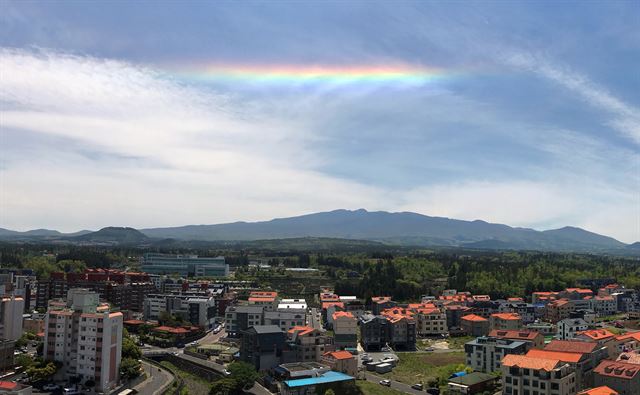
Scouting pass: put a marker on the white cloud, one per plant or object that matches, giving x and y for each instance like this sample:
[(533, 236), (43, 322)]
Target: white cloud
[(202, 157), (626, 118)]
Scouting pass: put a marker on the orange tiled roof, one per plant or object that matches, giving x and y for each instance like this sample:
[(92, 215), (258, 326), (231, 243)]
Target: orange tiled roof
[(520, 335), (507, 316), (555, 355), (339, 354), (473, 317), (526, 362), (302, 330), (263, 294), (8, 385), (604, 390), (597, 334), (617, 369), (573, 346), (380, 299), (339, 314), (628, 336), (326, 305), (262, 299)]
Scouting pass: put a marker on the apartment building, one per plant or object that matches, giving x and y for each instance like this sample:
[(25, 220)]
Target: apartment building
[(430, 320), (126, 290), (11, 310), (7, 348), (262, 346), (241, 318), (526, 311), (559, 310), (620, 376), (345, 329), (374, 331), (268, 299), (197, 308), (579, 362), (85, 337), (454, 313), (527, 375), (380, 303), (605, 305), (569, 328), (402, 328), (475, 325), (485, 353), (305, 344), (505, 321), (286, 318)]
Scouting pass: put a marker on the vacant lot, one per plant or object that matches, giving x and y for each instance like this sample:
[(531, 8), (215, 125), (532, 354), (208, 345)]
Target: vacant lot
[(417, 367)]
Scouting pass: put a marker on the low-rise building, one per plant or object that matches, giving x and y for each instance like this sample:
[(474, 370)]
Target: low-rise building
[(345, 329), (620, 376), (241, 318), (380, 303), (505, 321), (305, 344), (532, 338), (580, 363), (485, 353), (472, 383), (197, 308), (341, 361), (430, 320), (569, 328), (337, 381), (522, 374), (262, 346), (558, 310), (267, 299), (475, 325)]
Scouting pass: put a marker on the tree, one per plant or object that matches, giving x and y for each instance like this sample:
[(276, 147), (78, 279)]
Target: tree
[(129, 368), (24, 360), (226, 386), (39, 371), (243, 373), (130, 349), (329, 392)]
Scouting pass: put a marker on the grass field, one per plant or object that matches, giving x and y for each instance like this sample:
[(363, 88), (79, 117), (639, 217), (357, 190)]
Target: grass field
[(195, 385), (369, 388), (421, 367)]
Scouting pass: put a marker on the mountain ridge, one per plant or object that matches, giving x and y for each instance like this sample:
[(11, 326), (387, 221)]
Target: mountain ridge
[(391, 228)]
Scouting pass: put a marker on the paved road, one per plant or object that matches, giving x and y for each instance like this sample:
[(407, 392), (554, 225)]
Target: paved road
[(157, 380), (211, 337), (394, 384)]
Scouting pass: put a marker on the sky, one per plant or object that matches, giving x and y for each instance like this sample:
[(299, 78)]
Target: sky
[(149, 114)]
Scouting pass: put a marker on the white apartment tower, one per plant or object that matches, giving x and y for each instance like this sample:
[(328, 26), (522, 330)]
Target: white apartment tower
[(85, 337), (11, 309)]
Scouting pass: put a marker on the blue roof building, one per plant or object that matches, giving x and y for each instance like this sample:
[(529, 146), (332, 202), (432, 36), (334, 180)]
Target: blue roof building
[(308, 385)]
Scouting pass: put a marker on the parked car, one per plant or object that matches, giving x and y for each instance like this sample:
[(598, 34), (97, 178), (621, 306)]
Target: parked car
[(385, 382), (226, 373), (433, 391), (430, 349), (50, 387), (418, 387)]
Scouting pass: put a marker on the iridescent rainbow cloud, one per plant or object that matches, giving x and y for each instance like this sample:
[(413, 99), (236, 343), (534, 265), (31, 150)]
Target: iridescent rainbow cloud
[(314, 74)]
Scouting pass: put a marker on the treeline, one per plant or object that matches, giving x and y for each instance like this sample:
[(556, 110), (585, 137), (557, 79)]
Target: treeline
[(498, 274)]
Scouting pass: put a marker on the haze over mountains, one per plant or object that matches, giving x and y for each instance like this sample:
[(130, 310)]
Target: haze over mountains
[(403, 228)]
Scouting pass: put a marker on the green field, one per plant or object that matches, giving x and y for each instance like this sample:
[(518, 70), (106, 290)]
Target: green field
[(195, 385), (416, 367), (369, 388)]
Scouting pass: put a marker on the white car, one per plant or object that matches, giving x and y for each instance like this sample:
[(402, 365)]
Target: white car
[(226, 373), (385, 382)]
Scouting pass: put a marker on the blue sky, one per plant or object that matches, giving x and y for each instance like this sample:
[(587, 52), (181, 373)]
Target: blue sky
[(535, 121)]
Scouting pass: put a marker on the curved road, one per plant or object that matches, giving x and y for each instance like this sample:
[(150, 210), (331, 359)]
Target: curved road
[(157, 380)]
